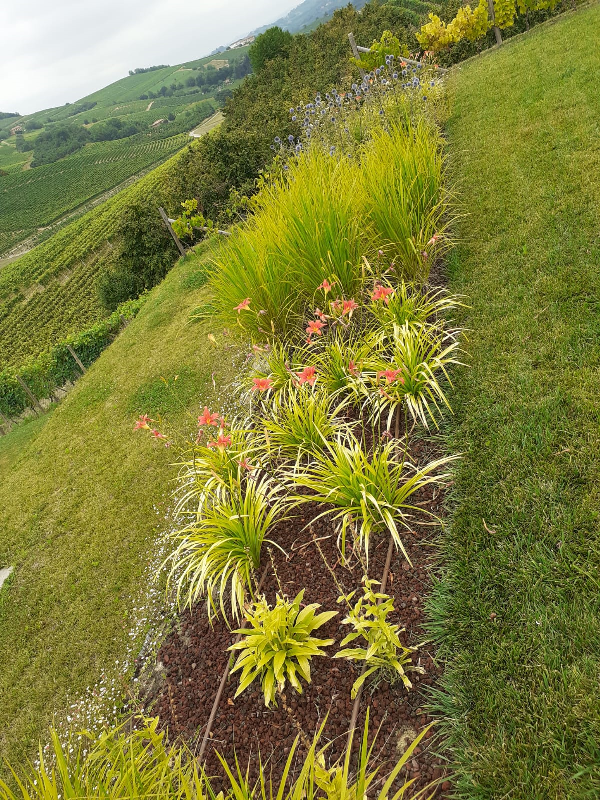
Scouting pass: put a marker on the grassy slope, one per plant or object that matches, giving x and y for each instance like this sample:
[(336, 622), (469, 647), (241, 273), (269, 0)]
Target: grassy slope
[(78, 492), (523, 686)]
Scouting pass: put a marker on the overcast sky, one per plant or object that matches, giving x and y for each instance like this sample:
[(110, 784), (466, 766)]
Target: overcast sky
[(57, 51)]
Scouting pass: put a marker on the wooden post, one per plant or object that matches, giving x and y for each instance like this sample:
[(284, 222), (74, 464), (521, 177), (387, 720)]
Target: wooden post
[(355, 52), (37, 407), (176, 238), (5, 422), (76, 357), (497, 33)]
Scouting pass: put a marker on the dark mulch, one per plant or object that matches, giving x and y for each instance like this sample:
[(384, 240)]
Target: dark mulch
[(194, 656)]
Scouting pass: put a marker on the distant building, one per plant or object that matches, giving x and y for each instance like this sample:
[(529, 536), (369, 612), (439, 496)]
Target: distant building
[(157, 123), (16, 129), (242, 42)]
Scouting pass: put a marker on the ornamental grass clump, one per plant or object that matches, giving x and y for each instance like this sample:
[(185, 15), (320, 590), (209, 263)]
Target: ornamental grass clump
[(277, 645), (402, 189), (306, 227), (383, 652), (300, 425), (117, 764), (219, 553), (367, 492)]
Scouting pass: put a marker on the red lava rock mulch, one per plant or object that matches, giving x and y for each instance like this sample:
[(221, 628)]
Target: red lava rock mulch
[(194, 656)]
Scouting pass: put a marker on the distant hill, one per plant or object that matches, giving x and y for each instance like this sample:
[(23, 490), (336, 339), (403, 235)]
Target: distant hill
[(307, 13)]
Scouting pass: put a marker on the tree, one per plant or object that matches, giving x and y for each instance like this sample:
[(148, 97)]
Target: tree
[(273, 43)]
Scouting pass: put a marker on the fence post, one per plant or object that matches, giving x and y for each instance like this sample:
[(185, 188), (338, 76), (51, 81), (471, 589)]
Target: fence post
[(6, 422), (36, 406), (355, 52), (497, 33), (176, 238), (76, 357)]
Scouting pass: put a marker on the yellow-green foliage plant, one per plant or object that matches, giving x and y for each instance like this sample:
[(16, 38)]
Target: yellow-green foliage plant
[(383, 653), (124, 764), (220, 552), (116, 765), (306, 227), (367, 492), (379, 52), (403, 195), (277, 644)]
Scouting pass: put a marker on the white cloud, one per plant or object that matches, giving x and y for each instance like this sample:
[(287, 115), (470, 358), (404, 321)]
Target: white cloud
[(57, 52)]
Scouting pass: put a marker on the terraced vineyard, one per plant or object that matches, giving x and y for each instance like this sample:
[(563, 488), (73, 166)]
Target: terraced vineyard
[(50, 292)]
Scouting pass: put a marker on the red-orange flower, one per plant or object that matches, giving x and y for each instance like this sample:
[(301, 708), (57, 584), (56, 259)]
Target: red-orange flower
[(207, 418), (243, 306), (434, 239), (261, 384), (349, 306), (382, 293), (315, 326), (308, 375), (352, 368), (142, 422), (222, 442), (245, 465), (326, 286), (158, 434), (390, 375)]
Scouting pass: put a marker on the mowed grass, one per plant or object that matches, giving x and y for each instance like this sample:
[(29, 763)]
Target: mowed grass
[(82, 497), (518, 609)]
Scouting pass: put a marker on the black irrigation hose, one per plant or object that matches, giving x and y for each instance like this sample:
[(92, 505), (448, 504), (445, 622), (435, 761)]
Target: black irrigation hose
[(215, 706), (356, 705)]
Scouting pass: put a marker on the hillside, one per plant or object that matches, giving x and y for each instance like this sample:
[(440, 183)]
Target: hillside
[(52, 291), (123, 139), (517, 612)]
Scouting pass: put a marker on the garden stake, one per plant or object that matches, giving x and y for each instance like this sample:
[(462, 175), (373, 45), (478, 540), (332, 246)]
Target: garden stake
[(384, 578), (213, 711)]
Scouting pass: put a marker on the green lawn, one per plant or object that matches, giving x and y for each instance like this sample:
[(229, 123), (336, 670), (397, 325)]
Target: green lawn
[(518, 611), (82, 498)]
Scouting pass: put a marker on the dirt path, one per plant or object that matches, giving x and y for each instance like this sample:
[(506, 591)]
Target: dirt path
[(208, 125), (150, 104)]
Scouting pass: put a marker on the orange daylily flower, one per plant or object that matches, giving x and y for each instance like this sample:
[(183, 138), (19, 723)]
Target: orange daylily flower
[(308, 375), (158, 434), (390, 375), (382, 293), (142, 423), (261, 384), (222, 442), (315, 326), (243, 306), (207, 418), (326, 286)]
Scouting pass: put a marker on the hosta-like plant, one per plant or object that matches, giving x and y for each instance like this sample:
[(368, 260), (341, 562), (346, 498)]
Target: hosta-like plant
[(277, 645), (383, 652), (219, 553), (367, 492)]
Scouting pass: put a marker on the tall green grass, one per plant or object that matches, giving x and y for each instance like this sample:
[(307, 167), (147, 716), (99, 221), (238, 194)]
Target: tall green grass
[(323, 216), (402, 182), (306, 227)]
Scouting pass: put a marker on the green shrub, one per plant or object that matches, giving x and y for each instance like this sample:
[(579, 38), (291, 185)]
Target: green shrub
[(278, 645)]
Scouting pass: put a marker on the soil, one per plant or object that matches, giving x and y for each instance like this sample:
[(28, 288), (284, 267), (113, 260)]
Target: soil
[(194, 656)]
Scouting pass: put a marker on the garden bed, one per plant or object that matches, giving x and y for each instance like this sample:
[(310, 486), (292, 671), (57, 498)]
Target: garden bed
[(195, 655)]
